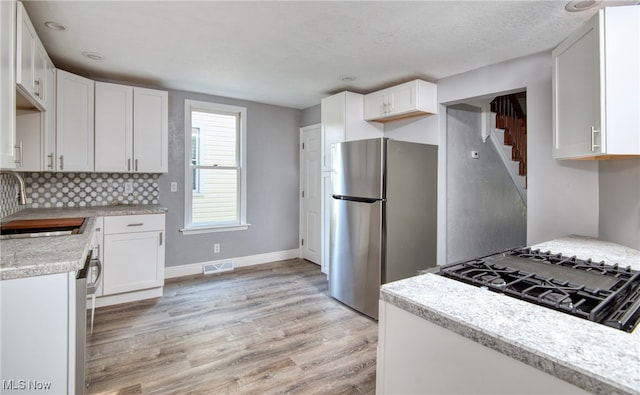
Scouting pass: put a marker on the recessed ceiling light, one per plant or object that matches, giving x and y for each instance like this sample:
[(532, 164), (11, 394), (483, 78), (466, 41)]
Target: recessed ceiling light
[(55, 26), (347, 78), (92, 55), (581, 5)]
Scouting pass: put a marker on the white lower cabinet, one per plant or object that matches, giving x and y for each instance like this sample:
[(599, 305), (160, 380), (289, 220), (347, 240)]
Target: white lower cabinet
[(38, 334), (133, 258), (416, 356)]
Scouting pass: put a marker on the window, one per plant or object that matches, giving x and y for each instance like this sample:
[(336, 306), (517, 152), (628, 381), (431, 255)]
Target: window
[(214, 167), (195, 159)]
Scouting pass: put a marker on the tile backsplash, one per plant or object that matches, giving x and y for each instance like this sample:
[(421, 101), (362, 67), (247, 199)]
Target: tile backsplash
[(8, 195), (79, 190)]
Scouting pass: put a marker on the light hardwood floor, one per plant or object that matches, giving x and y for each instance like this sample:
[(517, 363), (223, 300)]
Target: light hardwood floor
[(266, 329)]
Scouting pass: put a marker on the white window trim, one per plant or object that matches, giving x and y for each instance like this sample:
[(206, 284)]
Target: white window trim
[(189, 228)]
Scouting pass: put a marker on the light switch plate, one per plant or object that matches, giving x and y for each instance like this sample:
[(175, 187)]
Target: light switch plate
[(174, 187)]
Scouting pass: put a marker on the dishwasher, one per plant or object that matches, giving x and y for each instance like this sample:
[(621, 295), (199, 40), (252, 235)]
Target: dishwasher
[(81, 323), (86, 283)]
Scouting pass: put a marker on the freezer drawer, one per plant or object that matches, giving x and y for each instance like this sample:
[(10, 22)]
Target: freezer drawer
[(356, 252)]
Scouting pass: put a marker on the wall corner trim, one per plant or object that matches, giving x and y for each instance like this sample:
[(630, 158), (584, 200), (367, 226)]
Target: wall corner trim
[(196, 268)]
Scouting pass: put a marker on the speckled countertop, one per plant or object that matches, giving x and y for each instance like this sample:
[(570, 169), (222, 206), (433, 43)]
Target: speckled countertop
[(597, 358), (37, 256)]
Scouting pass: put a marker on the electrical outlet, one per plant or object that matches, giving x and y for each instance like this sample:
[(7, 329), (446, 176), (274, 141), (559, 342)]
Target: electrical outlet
[(128, 187), (216, 248), (174, 187)]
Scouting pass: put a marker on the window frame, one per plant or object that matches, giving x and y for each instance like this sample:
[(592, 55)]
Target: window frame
[(241, 220), (197, 184)]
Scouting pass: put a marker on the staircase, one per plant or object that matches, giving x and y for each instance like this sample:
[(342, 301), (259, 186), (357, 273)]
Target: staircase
[(508, 131)]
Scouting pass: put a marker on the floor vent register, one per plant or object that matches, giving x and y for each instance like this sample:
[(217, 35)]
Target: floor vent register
[(211, 268)]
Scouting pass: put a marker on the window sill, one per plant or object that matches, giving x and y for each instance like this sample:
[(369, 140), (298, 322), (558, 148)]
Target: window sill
[(214, 229)]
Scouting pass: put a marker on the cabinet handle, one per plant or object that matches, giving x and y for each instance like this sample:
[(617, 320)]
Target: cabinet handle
[(50, 165), (593, 139), (129, 164), (18, 148), (160, 238), (61, 162), (36, 84), (136, 162), (136, 224)]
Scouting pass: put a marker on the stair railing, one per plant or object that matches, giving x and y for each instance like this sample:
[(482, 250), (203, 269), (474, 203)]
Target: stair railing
[(511, 118)]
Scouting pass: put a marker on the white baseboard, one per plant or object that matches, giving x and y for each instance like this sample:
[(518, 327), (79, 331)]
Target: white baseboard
[(196, 268), (126, 297)]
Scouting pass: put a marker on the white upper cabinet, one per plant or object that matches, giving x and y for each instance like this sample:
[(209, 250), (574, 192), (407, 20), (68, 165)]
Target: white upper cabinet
[(406, 100), (150, 130), (31, 61), (49, 122), (596, 88), (74, 122), (131, 127), (7, 85), (35, 132), (113, 127), (342, 120)]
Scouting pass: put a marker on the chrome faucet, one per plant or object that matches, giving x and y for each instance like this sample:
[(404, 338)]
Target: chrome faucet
[(22, 195)]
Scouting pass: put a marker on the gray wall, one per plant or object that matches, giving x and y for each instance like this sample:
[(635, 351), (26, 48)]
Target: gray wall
[(272, 185), (620, 201), (484, 210), (311, 115), (562, 195)]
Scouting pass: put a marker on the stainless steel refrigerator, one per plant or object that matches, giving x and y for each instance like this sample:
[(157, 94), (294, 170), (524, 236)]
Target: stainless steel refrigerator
[(383, 217)]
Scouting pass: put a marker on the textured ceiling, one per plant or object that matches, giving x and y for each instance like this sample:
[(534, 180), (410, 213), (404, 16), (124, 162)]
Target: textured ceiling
[(294, 53)]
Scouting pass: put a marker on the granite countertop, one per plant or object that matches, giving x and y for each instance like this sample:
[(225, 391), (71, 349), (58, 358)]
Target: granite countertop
[(38, 256), (592, 356)]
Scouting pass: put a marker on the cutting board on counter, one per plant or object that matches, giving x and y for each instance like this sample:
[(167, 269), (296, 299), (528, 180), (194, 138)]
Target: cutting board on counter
[(47, 223)]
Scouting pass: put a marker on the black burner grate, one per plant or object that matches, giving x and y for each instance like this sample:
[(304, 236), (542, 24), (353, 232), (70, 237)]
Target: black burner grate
[(608, 294)]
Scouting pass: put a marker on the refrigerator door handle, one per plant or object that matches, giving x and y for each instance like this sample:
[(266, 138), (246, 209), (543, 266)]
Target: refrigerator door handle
[(357, 199)]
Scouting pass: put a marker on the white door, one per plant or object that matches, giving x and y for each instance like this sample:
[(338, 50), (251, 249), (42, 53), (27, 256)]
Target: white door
[(310, 192)]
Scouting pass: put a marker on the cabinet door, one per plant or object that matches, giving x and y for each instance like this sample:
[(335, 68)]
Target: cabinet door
[(333, 125), (402, 98), (38, 318), (150, 130), (577, 94), (7, 84), (40, 61), (375, 105), (132, 262), (113, 127), (325, 237), (49, 125), (25, 44), (74, 122), (29, 134)]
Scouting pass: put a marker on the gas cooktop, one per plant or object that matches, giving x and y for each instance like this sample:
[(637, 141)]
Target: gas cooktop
[(607, 294)]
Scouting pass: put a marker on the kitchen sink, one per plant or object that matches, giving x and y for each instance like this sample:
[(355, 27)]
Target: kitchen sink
[(26, 228)]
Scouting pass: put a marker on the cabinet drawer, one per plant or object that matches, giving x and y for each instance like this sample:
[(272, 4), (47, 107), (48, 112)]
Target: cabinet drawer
[(133, 223)]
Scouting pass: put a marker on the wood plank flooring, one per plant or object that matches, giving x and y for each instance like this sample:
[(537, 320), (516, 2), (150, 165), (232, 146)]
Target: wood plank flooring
[(266, 329)]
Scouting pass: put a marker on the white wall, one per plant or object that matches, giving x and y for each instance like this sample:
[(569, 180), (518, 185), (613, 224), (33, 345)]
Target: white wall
[(562, 195)]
